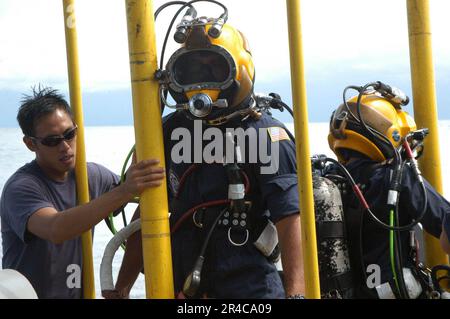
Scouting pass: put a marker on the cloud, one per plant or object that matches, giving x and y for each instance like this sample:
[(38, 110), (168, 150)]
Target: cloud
[(337, 35)]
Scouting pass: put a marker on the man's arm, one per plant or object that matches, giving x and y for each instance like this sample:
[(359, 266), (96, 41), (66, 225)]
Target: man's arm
[(289, 236), (57, 227)]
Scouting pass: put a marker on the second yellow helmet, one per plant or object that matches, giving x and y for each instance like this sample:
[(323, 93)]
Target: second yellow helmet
[(381, 116)]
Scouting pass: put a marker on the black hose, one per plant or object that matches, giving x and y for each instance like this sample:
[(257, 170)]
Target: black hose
[(183, 6), (398, 255), (213, 226), (192, 282), (371, 214), (358, 108), (344, 96), (398, 250), (124, 218), (162, 7), (166, 38), (286, 107), (371, 131)]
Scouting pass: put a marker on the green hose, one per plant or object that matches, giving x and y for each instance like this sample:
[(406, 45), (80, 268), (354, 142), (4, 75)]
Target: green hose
[(124, 167), (122, 179), (392, 248)]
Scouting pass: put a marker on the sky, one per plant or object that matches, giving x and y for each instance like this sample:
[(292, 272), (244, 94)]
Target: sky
[(347, 42)]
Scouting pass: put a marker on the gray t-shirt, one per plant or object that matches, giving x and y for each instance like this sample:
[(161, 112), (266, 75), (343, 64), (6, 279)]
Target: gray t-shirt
[(49, 267)]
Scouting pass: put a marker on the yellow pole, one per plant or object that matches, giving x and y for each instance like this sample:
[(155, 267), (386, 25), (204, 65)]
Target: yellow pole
[(425, 110), (149, 144), (80, 167), (298, 83)]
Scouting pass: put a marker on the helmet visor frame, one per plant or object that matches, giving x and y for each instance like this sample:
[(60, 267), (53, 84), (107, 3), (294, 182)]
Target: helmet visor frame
[(206, 68)]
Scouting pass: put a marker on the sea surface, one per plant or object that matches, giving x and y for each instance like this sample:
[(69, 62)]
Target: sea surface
[(109, 146)]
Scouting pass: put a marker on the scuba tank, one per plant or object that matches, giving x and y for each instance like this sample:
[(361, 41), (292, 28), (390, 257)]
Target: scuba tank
[(332, 247)]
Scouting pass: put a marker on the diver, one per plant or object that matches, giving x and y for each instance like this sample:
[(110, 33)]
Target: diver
[(230, 219), (377, 143)]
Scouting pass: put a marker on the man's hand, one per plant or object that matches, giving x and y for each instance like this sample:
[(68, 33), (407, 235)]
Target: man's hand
[(114, 294), (141, 176)]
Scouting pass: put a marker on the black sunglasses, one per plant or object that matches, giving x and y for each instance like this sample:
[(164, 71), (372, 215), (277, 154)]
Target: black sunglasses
[(56, 140)]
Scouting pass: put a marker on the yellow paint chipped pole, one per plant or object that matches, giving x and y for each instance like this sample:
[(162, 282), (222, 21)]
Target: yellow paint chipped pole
[(149, 144), (425, 109), (309, 244), (80, 167)]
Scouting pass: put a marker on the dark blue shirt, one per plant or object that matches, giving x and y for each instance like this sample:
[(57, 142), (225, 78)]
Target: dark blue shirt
[(46, 265), (231, 271), (276, 180), (376, 180), (446, 225)]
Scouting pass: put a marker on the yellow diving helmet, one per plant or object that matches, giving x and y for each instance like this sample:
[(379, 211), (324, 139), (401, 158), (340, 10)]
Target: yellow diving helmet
[(212, 73), (381, 115)]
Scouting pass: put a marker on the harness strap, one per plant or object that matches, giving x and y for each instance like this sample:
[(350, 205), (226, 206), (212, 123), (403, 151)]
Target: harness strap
[(330, 229)]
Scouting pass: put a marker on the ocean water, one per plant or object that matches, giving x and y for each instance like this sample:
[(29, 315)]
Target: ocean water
[(109, 146)]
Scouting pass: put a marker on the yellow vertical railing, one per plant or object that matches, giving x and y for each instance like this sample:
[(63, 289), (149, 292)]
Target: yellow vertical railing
[(309, 244), (80, 167), (425, 109), (149, 144)]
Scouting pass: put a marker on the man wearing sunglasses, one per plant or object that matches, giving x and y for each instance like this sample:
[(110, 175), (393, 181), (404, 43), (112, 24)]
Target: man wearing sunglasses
[(41, 223)]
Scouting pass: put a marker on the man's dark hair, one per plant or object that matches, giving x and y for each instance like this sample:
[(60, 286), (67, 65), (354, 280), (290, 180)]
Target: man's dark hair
[(42, 101)]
